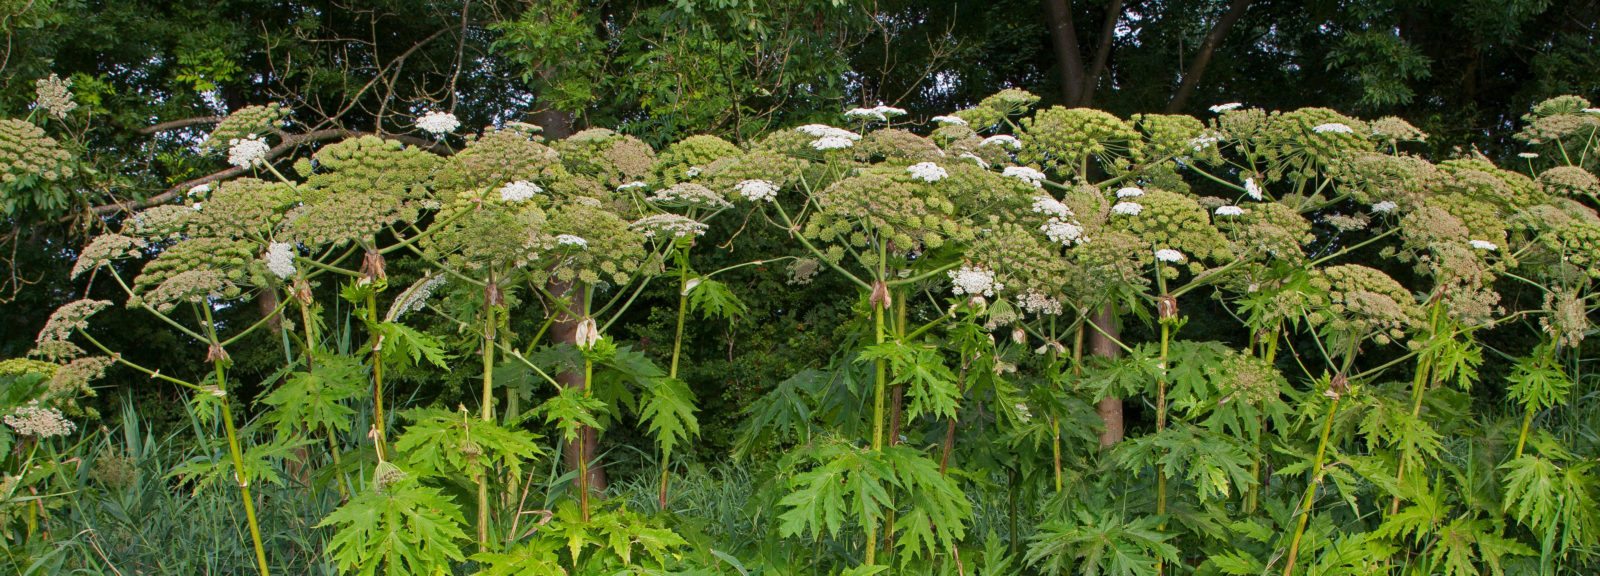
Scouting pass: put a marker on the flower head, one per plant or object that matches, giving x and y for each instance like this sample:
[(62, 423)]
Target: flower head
[(438, 123), (865, 114), (949, 120), (826, 131), (1169, 255), (671, 225), (1024, 174), (632, 185), (54, 95), (975, 158), (1253, 190), (1051, 207), (1127, 209), (199, 190), (1229, 211), (1063, 232), (1527, 155), (247, 152), (1002, 140), (973, 280), (832, 143), (1220, 108), (757, 190), (519, 191), (1130, 192), (571, 240), (1333, 127), (1484, 245), (280, 259), (41, 421), (927, 172), (1384, 207)]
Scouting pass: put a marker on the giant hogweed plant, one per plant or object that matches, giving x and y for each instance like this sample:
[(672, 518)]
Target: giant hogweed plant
[(1321, 419)]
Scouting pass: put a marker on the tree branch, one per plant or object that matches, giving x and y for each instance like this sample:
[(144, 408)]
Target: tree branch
[(179, 124), (1108, 31), (1197, 68), (1064, 39)]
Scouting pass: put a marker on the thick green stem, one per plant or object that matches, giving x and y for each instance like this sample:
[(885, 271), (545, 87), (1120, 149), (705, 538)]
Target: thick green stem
[(489, 326), (1419, 383), (672, 370), (1311, 488), (233, 447), (583, 437), (377, 375), (1522, 436)]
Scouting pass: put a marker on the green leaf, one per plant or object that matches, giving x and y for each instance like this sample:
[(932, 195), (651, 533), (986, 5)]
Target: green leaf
[(571, 410), (458, 443), (713, 299), (316, 401), (670, 411), (407, 346), (403, 528)]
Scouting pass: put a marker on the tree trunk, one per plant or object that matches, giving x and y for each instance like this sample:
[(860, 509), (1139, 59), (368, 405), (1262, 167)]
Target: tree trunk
[(1064, 40), (1102, 343), (1102, 52), (565, 330), (1197, 67)]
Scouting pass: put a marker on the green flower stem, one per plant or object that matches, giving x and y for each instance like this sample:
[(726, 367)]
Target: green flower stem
[(151, 309), (1311, 488), (233, 448), (583, 432), (309, 349), (1419, 384), (377, 375), (1253, 491), (489, 325), (677, 352), (153, 374), (789, 225)]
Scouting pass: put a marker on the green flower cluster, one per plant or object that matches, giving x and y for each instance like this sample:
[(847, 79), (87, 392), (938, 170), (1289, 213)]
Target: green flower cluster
[(245, 122), (590, 245), (242, 208), (28, 156), (611, 158), (1362, 302), (356, 188), (896, 146), (230, 260), (1168, 220), (1569, 181), (881, 204), (495, 158), (690, 155), (1062, 140)]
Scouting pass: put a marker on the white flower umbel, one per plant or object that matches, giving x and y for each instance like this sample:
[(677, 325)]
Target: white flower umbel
[(1051, 207), (927, 172), (974, 280), (1253, 190), (415, 297), (1528, 155), (888, 111), (1332, 128), (1064, 232), (438, 123), (757, 190), (1484, 245), (1220, 108), (1591, 110), (1036, 303), (1127, 208), (1130, 192), (864, 114), (570, 240), (1024, 174), (826, 131), (199, 190), (1002, 140), (247, 152), (519, 191), (1229, 211), (1169, 255), (668, 225), (1384, 207), (832, 143), (974, 157), (632, 186), (949, 120), (1202, 143), (41, 421), (280, 259)]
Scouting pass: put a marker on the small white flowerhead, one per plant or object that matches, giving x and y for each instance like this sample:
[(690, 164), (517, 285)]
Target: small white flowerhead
[(1229, 211), (1002, 140), (247, 152), (632, 185), (438, 123), (974, 157), (832, 143), (949, 120), (1591, 110), (1169, 255), (889, 111), (1220, 108), (519, 191), (864, 114), (280, 259), (1384, 207), (197, 206), (927, 172), (1024, 174), (200, 190), (1528, 155), (1063, 232), (1130, 192), (825, 131), (757, 190), (693, 171), (1253, 190), (1201, 143), (1127, 208), (570, 240), (1484, 245), (1332, 128), (1051, 207), (974, 280)]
